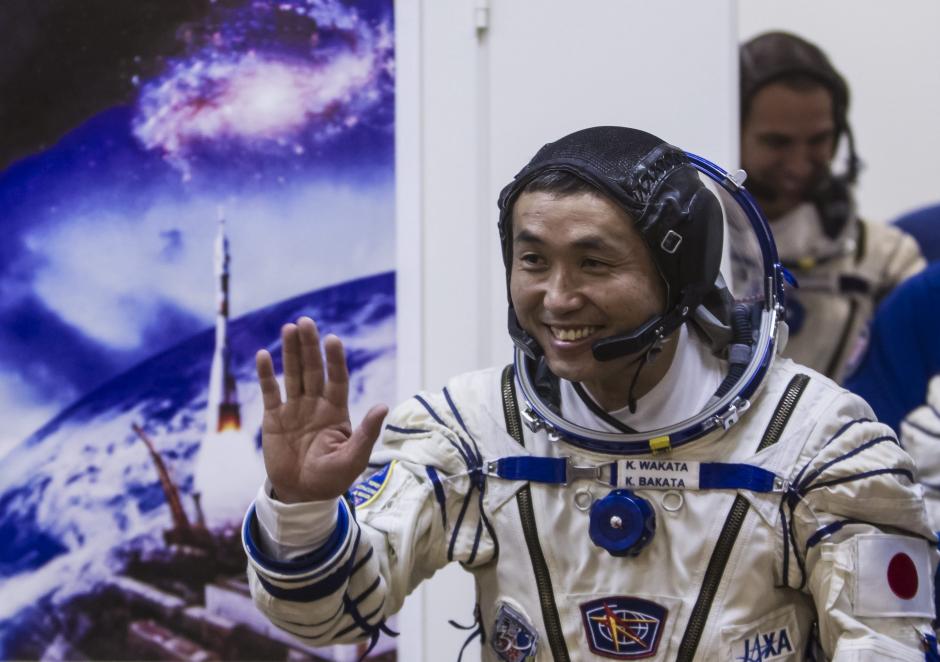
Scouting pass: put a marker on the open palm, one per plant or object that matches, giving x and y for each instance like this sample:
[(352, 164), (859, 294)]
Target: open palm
[(311, 452)]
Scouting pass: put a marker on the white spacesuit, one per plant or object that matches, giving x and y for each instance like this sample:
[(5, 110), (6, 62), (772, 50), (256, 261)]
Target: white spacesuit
[(775, 521)]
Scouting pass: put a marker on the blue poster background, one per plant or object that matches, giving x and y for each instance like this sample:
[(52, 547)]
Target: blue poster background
[(247, 180)]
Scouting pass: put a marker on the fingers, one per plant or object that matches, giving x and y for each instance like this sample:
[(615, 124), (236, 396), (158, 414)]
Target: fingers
[(337, 374), (270, 390), (303, 367), (364, 437), (290, 355), (312, 371)]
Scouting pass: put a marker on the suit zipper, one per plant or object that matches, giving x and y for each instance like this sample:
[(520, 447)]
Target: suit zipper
[(732, 527), (836, 359), (543, 579)]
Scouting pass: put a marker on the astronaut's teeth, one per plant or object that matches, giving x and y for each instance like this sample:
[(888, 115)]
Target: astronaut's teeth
[(573, 334)]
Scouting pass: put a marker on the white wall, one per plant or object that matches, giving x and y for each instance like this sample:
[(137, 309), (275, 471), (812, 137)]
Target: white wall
[(482, 85), (890, 54)]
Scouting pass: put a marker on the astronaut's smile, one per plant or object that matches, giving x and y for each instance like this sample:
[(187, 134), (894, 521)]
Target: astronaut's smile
[(572, 334)]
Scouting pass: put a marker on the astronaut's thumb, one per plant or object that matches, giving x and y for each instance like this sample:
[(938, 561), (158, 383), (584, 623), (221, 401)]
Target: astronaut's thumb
[(365, 436)]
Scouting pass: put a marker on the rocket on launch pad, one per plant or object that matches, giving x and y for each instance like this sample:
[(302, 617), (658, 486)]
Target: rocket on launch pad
[(223, 410), (229, 465)]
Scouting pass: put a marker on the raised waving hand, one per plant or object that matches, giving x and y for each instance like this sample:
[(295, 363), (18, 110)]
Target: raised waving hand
[(311, 451)]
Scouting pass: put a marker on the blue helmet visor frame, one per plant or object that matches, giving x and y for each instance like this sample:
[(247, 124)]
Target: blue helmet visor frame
[(752, 274)]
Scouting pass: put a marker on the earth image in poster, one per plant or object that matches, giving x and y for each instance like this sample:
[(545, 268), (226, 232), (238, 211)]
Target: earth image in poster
[(127, 340), (110, 553)]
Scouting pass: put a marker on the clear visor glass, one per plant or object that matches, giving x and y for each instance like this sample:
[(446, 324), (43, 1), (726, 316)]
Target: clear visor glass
[(750, 274), (742, 258)]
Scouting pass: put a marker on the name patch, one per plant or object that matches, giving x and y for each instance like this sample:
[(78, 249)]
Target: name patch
[(657, 475), (366, 491), (623, 627)]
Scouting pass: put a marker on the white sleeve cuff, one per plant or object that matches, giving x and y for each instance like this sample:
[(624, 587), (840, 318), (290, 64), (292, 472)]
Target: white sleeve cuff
[(289, 530)]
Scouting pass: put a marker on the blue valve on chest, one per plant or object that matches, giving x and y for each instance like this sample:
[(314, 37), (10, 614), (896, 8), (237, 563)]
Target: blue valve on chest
[(622, 523)]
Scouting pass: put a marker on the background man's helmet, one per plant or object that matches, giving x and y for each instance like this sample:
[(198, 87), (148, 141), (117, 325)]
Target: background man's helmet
[(678, 217)]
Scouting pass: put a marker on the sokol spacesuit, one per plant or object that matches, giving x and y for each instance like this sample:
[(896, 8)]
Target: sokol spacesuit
[(741, 508)]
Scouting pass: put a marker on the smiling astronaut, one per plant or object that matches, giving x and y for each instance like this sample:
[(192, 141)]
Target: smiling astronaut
[(647, 480)]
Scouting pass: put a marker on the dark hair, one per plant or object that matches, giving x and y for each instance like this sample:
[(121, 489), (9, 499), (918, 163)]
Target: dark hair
[(798, 82)]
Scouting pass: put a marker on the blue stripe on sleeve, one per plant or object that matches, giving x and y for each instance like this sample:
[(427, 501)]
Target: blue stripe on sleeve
[(475, 451), (430, 410), (921, 429), (360, 621), (813, 475), (476, 543), (302, 565), (438, 492), (457, 525), (317, 590), (395, 428), (329, 623), (464, 452), (326, 621), (845, 427), (469, 458), (839, 433), (365, 594), (457, 415), (827, 530), (866, 474), (361, 562)]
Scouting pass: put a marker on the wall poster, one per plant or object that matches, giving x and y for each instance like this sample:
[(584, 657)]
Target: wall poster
[(177, 180)]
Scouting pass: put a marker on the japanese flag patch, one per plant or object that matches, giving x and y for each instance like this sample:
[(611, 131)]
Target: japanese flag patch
[(893, 576)]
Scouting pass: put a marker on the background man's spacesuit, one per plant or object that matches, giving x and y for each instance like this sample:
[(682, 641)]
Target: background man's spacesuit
[(697, 500)]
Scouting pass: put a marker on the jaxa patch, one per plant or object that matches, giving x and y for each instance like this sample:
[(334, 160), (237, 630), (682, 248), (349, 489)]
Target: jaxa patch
[(366, 491), (514, 639), (774, 637), (775, 644), (622, 627)]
